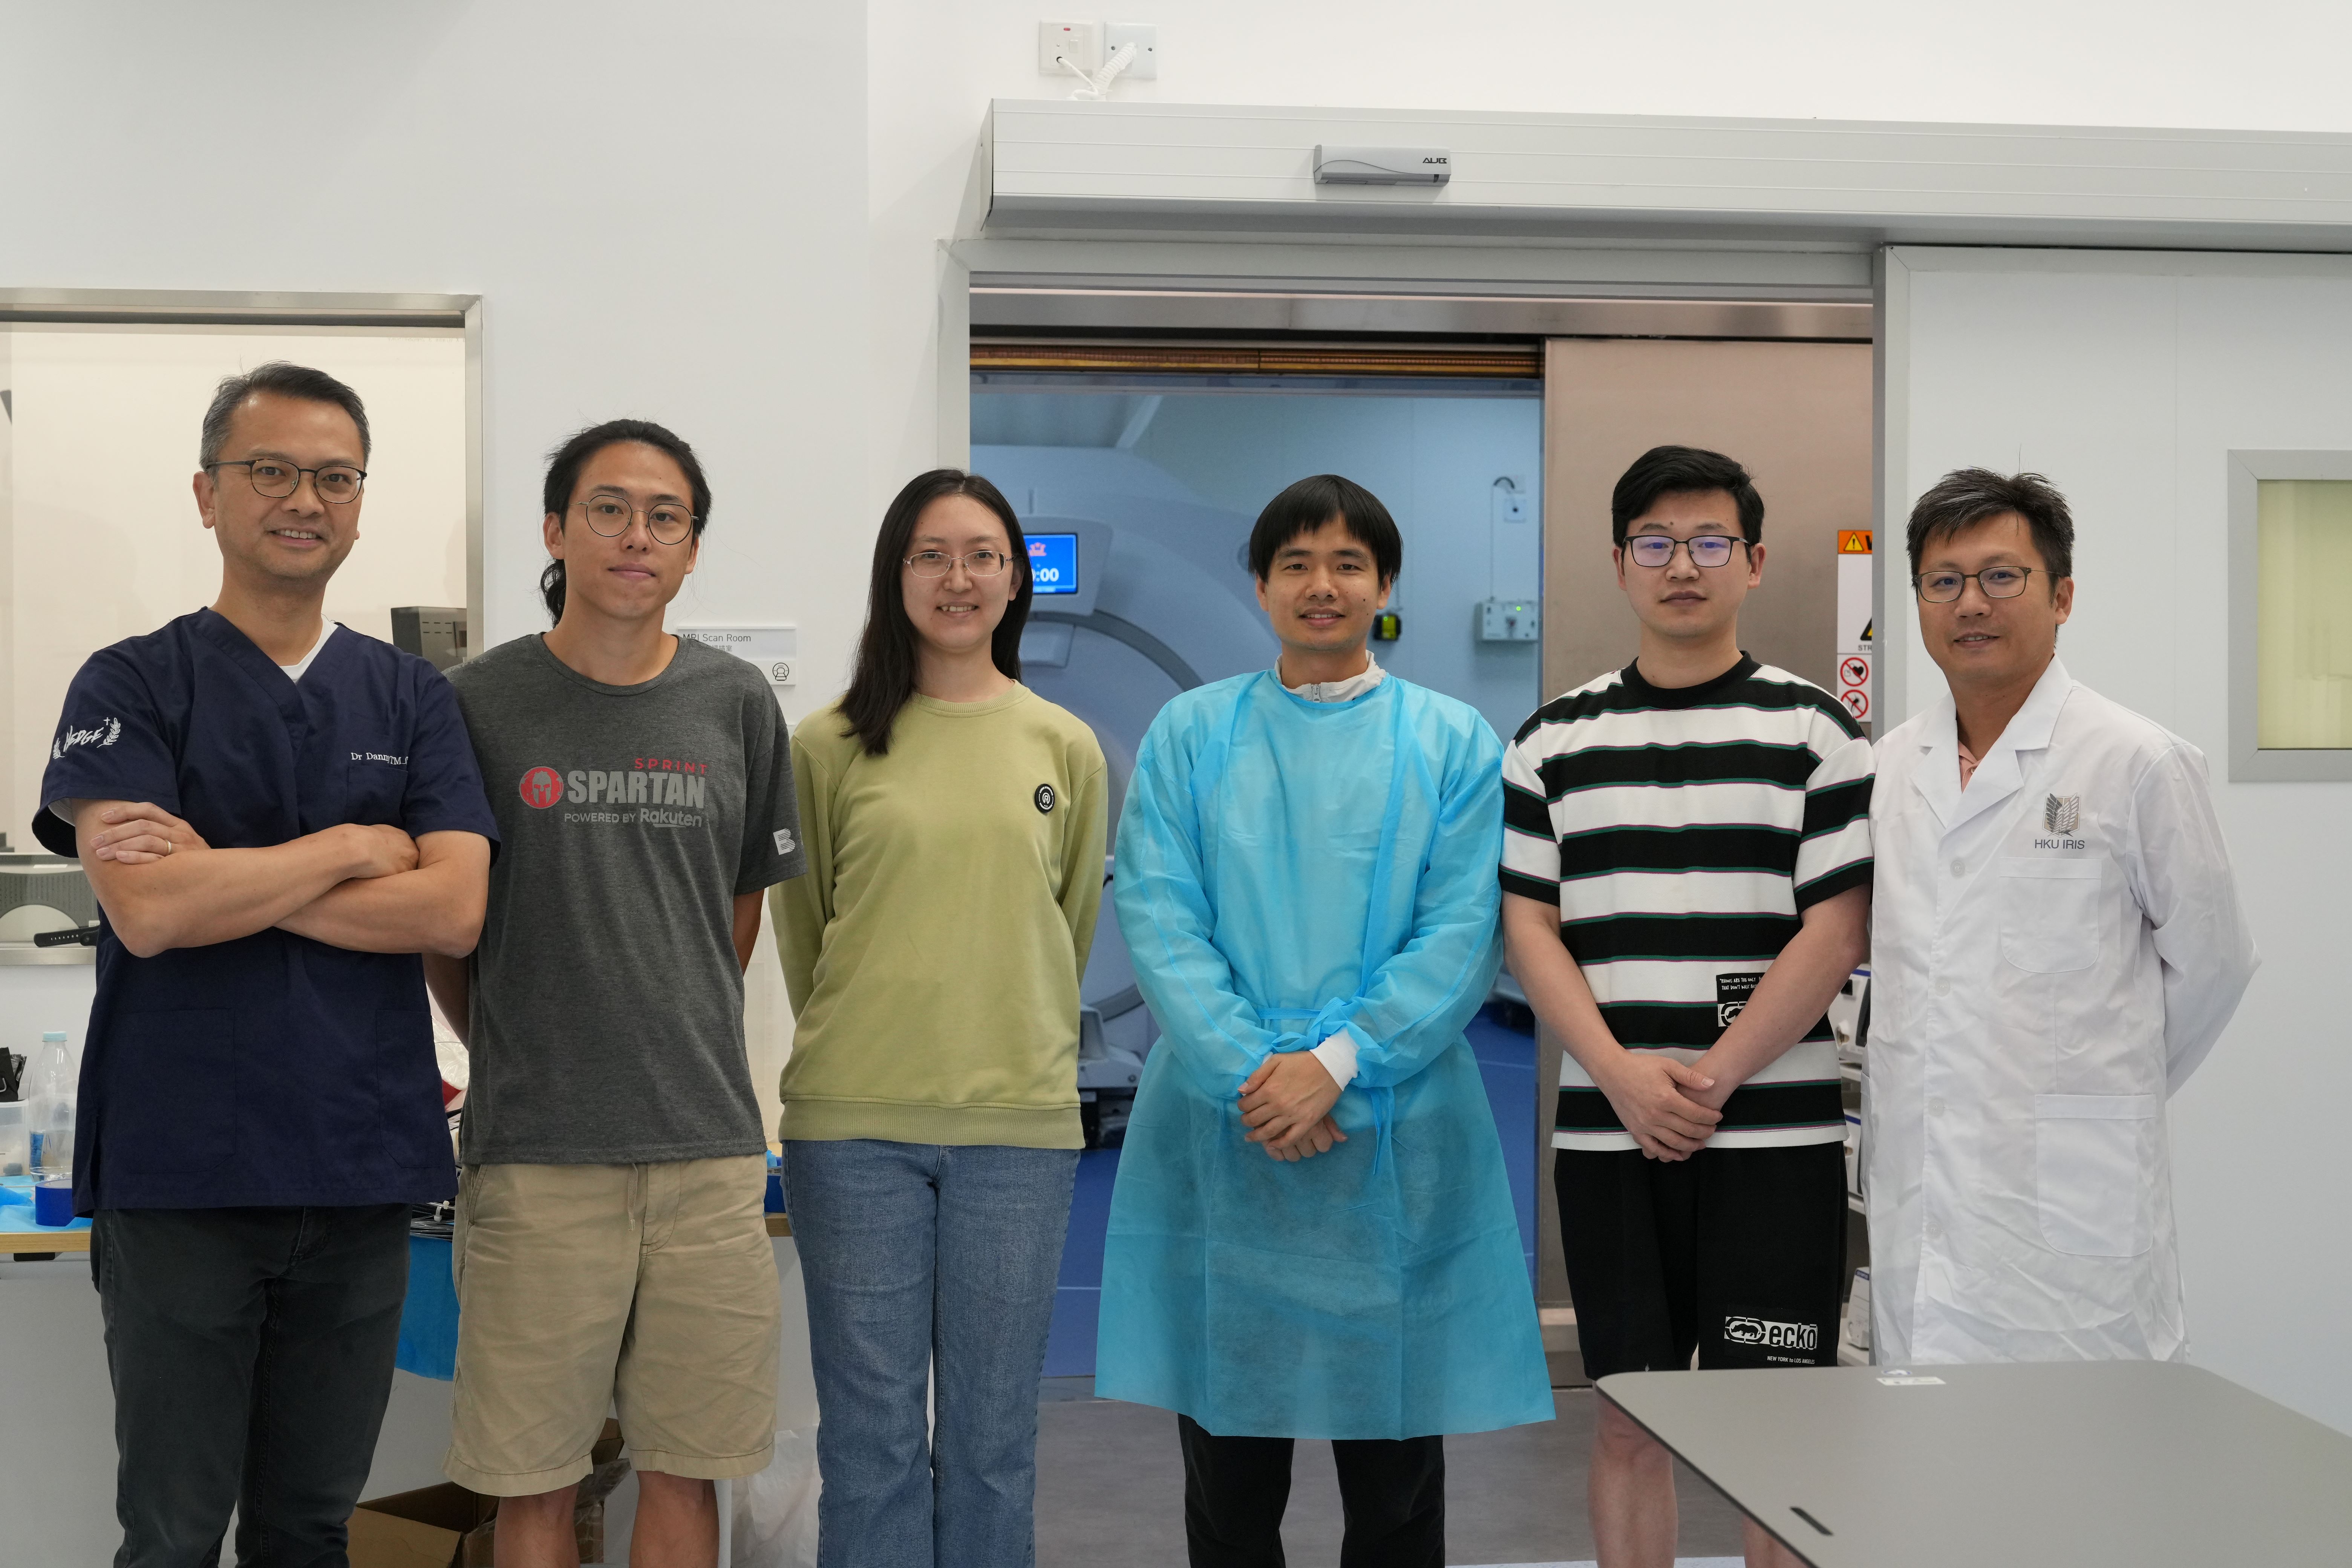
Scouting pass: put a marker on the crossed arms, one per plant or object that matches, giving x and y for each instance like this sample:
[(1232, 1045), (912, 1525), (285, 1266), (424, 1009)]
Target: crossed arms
[(369, 890)]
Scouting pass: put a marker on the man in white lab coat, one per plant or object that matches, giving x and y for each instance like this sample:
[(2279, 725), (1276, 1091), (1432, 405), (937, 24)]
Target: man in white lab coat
[(2056, 944)]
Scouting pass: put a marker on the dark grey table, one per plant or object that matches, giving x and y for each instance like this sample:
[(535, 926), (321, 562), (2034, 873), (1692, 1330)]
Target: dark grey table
[(2134, 1464)]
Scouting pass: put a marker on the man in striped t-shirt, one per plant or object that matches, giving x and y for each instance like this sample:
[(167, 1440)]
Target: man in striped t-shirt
[(1687, 878)]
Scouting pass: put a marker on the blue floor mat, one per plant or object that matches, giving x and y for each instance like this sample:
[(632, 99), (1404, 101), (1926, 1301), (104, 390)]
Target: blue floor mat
[(1506, 1061)]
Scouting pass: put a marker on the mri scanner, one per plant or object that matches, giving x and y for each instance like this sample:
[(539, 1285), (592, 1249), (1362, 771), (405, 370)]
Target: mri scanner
[(1142, 592)]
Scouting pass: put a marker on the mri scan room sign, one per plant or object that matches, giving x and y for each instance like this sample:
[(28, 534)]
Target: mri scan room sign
[(776, 649), (1854, 629)]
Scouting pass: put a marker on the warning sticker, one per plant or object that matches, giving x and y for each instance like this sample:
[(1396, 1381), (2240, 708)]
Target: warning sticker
[(1853, 542)]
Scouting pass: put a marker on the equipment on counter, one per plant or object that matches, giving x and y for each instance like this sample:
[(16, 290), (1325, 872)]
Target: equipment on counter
[(51, 1107), (435, 634)]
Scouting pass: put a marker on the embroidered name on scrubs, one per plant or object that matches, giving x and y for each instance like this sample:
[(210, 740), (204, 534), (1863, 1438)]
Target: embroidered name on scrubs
[(106, 733), (273, 1070)]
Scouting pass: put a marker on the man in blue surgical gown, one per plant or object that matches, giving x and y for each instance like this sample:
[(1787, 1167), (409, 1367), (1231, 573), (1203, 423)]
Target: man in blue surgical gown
[(1312, 1234)]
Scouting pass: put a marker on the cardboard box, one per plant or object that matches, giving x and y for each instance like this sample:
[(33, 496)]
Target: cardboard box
[(449, 1526)]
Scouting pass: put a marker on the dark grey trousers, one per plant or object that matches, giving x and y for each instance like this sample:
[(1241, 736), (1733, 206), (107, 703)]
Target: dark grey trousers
[(251, 1351)]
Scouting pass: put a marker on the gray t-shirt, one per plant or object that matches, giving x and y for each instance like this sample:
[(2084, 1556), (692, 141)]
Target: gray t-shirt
[(607, 1004)]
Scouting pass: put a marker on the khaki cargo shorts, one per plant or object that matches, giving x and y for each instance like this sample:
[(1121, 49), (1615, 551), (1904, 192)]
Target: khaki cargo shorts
[(647, 1288)]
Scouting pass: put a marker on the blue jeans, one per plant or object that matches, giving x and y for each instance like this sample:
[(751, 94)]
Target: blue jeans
[(927, 1264)]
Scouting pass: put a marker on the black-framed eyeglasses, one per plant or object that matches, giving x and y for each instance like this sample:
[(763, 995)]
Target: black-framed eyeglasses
[(1998, 583), (668, 521), (1657, 549), (337, 484), (939, 563)]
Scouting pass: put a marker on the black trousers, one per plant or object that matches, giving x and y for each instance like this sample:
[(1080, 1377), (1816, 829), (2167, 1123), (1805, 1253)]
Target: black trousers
[(251, 1352), (1393, 1495)]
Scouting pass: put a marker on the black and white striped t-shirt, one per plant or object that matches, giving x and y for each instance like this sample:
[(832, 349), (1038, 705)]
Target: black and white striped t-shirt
[(1680, 832)]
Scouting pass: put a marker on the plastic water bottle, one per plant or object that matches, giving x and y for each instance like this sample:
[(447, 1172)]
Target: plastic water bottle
[(51, 1103)]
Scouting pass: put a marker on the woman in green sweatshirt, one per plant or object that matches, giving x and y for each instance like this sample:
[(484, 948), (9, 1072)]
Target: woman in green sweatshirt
[(954, 825)]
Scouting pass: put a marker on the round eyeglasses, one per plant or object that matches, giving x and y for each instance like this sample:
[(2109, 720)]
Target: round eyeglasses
[(1998, 583), (668, 521), (1657, 549), (939, 563), (337, 484)]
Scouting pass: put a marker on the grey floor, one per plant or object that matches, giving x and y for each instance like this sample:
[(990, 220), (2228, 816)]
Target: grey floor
[(1110, 1490)]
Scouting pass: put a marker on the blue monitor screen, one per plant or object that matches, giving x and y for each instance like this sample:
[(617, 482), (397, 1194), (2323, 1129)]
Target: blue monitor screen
[(1053, 563)]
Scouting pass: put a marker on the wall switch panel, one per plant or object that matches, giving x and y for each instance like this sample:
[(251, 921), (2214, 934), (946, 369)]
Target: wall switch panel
[(1145, 37), (1508, 620), (1080, 42)]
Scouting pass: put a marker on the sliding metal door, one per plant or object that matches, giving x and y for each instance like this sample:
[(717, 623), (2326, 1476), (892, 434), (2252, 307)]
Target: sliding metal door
[(1798, 415)]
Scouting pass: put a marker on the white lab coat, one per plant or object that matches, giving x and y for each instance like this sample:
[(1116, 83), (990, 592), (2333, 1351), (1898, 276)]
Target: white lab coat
[(2053, 950)]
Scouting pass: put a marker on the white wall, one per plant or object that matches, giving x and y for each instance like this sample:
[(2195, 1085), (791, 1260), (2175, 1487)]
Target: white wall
[(103, 535), (659, 206), (2261, 65), (2127, 380)]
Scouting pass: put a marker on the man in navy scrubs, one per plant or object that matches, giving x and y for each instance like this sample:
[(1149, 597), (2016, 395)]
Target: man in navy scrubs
[(278, 814)]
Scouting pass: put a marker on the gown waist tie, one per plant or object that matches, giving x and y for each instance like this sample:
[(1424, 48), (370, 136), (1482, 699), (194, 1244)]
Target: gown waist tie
[(1320, 1026)]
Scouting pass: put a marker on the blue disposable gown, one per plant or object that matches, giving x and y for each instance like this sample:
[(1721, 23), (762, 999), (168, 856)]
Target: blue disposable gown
[(1285, 869)]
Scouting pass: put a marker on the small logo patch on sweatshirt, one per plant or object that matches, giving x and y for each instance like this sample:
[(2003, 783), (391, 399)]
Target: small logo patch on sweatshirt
[(1043, 797)]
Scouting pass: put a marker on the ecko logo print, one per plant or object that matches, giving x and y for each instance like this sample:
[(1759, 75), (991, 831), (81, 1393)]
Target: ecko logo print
[(1746, 1330)]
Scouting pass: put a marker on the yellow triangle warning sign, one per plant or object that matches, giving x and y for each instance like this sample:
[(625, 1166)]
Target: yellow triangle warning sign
[(1853, 542)]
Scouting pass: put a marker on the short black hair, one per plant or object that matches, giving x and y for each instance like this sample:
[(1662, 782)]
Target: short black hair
[(1315, 501), (1682, 470), (284, 379), (1966, 497), (563, 465)]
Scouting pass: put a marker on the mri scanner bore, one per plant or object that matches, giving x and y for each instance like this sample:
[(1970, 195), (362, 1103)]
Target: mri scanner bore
[(1138, 505)]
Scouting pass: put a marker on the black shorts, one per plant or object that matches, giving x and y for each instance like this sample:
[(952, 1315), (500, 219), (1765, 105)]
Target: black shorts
[(1738, 1254)]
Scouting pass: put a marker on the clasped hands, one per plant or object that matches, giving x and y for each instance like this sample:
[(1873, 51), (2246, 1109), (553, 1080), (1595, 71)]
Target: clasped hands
[(1286, 1106), (1670, 1108), (142, 833)]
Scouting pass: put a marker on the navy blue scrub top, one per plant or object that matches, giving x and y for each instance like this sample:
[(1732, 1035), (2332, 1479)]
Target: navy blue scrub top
[(273, 1069)]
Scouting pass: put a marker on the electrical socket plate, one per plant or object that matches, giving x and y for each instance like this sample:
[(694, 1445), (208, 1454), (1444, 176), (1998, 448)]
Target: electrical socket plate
[(1511, 504), (1080, 42), (1145, 37), (1508, 620)]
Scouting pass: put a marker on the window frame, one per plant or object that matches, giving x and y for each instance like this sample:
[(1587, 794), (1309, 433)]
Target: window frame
[(2250, 762)]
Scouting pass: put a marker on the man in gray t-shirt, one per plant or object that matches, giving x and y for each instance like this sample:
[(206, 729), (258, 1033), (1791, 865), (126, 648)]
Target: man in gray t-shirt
[(608, 994), (610, 1250)]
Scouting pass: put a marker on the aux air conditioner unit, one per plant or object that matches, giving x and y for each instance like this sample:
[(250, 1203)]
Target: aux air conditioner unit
[(1383, 165)]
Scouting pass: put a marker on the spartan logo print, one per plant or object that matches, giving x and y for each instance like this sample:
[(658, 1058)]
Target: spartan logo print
[(1044, 798), (542, 787), (2061, 813)]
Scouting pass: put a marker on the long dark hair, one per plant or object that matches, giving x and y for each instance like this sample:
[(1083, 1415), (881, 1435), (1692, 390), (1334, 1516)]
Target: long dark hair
[(563, 465), (885, 677)]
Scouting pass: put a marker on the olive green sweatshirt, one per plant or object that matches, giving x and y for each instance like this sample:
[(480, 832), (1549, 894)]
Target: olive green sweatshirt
[(934, 949)]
